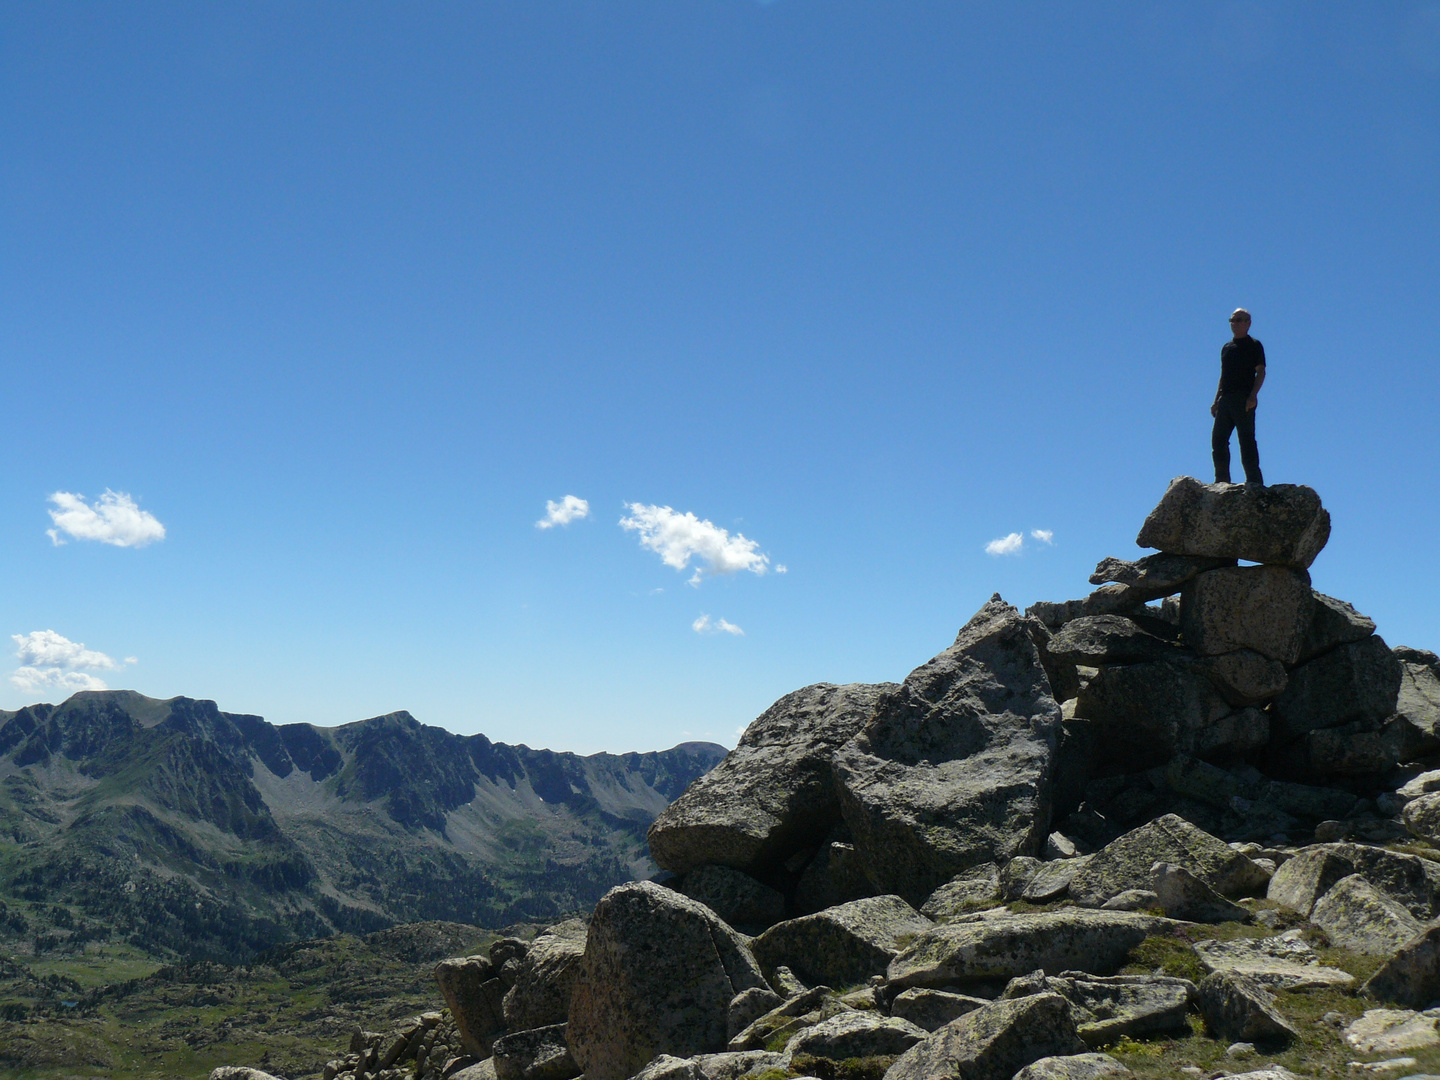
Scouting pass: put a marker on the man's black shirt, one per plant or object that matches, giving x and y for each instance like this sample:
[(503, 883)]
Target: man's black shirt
[(1238, 361)]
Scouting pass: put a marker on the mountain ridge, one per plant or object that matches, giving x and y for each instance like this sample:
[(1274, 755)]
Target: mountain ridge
[(192, 831)]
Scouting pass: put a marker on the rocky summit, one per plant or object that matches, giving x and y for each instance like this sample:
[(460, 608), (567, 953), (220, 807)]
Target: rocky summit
[(1199, 803)]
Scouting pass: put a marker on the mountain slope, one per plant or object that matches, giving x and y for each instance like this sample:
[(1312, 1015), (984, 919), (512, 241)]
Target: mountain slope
[(187, 830)]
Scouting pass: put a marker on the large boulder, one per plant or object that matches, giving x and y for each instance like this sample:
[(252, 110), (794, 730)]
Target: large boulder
[(1357, 916), (1145, 714), (1412, 976), (475, 996), (1283, 524), (993, 1043), (1312, 871), (1264, 608), (774, 794), (956, 766), (658, 976), (1244, 677), (1414, 731), (1355, 682), (841, 946), (977, 887), (982, 950), (1182, 895), (1128, 862), (1333, 622), (541, 993)]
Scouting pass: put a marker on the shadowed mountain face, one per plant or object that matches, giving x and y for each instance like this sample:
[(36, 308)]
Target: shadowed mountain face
[(184, 829)]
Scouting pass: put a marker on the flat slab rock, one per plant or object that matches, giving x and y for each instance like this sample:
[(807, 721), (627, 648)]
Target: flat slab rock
[(1312, 871), (1390, 1031), (1106, 1008), (1074, 1067), (1284, 962), (1283, 524), (1004, 945), (955, 767), (856, 1035)]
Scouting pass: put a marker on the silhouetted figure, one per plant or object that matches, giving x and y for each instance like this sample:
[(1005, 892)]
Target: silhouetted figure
[(1242, 373)]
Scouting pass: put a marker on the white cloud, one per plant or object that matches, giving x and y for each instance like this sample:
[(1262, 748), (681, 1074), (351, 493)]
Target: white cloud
[(1005, 545), (113, 519), (677, 538), (1045, 536), (51, 661), (563, 512), (705, 625)]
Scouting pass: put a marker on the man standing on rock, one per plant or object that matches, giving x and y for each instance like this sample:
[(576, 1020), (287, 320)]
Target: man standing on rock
[(1242, 373)]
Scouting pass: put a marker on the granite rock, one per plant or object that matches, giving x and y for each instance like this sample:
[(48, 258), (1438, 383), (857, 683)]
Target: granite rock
[(994, 1042), (1264, 608), (736, 897), (1355, 682), (1283, 524), (955, 768), (843, 945), (658, 976), (1127, 863), (1357, 916), (1412, 976), (541, 992), (1239, 1008)]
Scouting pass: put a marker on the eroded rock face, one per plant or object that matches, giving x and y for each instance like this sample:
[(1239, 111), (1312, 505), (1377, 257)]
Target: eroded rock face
[(546, 978), (1108, 639), (1150, 712), (993, 1043), (1006, 945), (1283, 524), (774, 795), (736, 897), (1414, 732), (1355, 682), (1357, 916), (955, 768), (842, 945), (1264, 608), (1127, 863), (658, 975), (1333, 622)]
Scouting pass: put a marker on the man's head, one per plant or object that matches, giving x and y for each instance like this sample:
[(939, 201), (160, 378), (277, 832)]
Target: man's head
[(1240, 322)]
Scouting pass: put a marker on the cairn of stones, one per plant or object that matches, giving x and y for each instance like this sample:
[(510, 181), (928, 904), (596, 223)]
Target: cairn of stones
[(944, 877)]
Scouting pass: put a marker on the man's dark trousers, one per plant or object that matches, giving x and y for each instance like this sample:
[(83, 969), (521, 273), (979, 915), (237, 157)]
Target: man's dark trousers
[(1232, 415)]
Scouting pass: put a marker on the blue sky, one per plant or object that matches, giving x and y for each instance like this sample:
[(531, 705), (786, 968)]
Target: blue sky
[(342, 295)]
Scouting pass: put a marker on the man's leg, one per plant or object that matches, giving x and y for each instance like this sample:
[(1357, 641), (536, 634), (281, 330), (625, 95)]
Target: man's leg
[(1220, 441), (1249, 452)]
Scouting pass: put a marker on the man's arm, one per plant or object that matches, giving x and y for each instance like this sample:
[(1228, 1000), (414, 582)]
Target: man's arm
[(1219, 389), (1255, 390)]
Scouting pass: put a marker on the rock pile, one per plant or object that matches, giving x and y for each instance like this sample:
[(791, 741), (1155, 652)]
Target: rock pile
[(944, 877)]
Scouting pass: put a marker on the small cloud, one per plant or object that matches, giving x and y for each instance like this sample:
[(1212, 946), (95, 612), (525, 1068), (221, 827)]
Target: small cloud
[(113, 519), (51, 661), (1005, 545), (1045, 536), (705, 625), (781, 568), (563, 512), (677, 538)]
